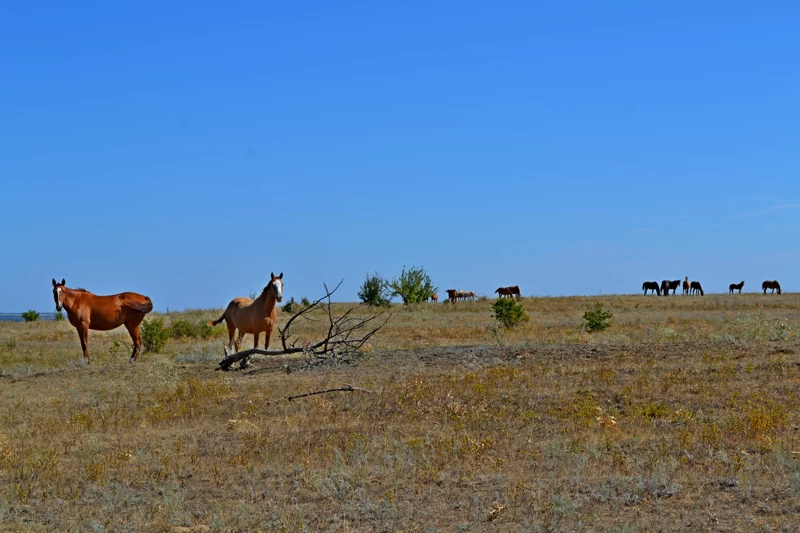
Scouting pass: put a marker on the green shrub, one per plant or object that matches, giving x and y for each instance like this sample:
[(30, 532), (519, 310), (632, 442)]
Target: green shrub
[(30, 315), (305, 301), (413, 286), (597, 318), (186, 329), (289, 307), (154, 335), (509, 313), (374, 290), (59, 316)]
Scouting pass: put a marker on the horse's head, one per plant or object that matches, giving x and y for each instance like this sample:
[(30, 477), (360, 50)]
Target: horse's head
[(58, 294), (276, 284)]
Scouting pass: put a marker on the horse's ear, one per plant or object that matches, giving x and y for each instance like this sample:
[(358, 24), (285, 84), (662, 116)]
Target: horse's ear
[(63, 282), (272, 275), (281, 276), (54, 282)]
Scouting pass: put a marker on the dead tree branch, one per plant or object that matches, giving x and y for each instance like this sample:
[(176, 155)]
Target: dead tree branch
[(345, 333), (346, 388)]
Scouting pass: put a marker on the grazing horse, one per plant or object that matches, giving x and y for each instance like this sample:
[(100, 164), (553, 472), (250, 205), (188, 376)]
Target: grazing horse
[(514, 291), (253, 316), (687, 287), (734, 286), (434, 297), (651, 286), (771, 285), (695, 287), (88, 311), (668, 285), (503, 291), (452, 294)]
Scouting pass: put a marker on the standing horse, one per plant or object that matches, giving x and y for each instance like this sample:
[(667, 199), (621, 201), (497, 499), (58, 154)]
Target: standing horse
[(88, 311), (771, 285), (651, 286), (452, 294), (434, 297), (734, 286), (514, 291), (253, 316), (503, 291), (695, 287), (687, 287)]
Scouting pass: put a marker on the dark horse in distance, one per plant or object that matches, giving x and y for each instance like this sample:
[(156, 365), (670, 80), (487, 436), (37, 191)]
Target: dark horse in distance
[(651, 286), (771, 285), (734, 286), (668, 285), (695, 287)]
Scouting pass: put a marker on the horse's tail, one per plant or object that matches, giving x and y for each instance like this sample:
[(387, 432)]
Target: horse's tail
[(217, 321), (144, 306)]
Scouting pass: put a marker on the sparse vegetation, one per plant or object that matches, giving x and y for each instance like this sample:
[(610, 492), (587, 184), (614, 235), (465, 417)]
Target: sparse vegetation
[(59, 316), (413, 286), (597, 317), (30, 316), (509, 313), (625, 429), (290, 306), (154, 335), (375, 291)]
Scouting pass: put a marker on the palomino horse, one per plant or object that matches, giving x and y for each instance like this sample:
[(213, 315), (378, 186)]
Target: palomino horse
[(253, 316), (651, 286), (695, 287), (771, 285), (88, 311), (687, 287), (734, 286), (434, 297)]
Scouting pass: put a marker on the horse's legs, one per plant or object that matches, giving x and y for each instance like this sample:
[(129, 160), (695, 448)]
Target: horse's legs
[(83, 334), (239, 338), (136, 337), (246, 361)]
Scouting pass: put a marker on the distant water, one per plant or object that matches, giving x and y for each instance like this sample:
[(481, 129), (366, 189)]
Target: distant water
[(17, 317)]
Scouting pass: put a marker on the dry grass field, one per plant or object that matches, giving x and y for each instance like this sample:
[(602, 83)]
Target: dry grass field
[(681, 416)]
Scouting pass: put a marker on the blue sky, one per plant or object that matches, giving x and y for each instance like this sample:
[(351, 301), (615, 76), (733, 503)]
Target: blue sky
[(185, 150)]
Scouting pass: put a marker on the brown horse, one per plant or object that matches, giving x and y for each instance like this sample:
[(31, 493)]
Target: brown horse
[(514, 291), (88, 311), (434, 297), (503, 291), (696, 287), (687, 286), (452, 294), (253, 316), (771, 285)]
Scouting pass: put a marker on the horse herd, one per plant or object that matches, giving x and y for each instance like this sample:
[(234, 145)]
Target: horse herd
[(694, 287)]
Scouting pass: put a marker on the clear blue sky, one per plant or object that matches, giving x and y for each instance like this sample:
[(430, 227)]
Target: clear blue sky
[(185, 150)]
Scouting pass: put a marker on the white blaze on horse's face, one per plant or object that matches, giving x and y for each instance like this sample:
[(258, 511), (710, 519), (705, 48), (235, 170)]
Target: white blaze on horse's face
[(58, 296), (277, 285)]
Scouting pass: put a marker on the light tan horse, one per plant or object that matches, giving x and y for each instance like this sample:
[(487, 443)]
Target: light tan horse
[(88, 311), (253, 316)]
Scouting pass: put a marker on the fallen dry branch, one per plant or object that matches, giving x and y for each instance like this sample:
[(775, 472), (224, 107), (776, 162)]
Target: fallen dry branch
[(346, 388), (345, 334)]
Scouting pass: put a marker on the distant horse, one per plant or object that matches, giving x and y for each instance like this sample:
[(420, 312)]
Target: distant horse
[(734, 286), (651, 286), (452, 294), (695, 287), (472, 295), (434, 297), (771, 285), (668, 285), (253, 316), (687, 287), (514, 291), (88, 311), (503, 291)]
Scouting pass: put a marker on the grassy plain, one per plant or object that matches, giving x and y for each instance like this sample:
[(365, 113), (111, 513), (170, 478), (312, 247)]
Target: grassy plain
[(682, 416)]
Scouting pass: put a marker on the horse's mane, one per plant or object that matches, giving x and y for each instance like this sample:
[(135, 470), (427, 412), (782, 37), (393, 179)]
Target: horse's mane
[(80, 289)]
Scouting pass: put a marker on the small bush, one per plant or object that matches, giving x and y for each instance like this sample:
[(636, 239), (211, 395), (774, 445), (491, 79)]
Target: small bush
[(414, 286), (374, 291), (186, 329), (597, 318), (154, 335), (59, 316), (509, 313), (305, 301), (289, 307), (30, 315)]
